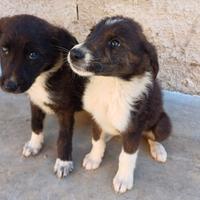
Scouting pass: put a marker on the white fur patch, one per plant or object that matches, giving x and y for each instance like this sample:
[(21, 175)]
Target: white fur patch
[(33, 146), (38, 93), (93, 159), (110, 100), (124, 178), (113, 21), (63, 168), (158, 151)]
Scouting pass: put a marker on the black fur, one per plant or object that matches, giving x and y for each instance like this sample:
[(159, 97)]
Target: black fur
[(23, 37)]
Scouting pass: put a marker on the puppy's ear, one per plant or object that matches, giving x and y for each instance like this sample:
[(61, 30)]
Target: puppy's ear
[(64, 39), (91, 30), (3, 21), (150, 50)]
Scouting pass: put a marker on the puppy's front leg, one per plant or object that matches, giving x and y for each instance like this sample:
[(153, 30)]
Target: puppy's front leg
[(64, 163), (33, 146), (93, 159), (124, 178)]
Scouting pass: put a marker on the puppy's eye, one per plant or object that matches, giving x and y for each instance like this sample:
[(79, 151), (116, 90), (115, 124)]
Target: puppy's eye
[(114, 43), (33, 55), (5, 50)]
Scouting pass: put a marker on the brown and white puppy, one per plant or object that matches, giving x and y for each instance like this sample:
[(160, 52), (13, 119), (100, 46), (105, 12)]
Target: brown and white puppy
[(122, 94), (32, 55)]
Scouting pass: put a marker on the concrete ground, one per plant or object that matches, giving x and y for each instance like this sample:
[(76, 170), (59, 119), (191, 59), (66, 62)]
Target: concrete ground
[(33, 178)]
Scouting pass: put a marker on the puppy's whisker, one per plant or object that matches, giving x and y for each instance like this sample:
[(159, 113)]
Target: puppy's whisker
[(95, 62), (65, 61), (96, 59), (62, 49)]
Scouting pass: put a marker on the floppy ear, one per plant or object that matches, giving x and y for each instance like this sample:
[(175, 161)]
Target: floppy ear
[(64, 39), (3, 20), (150, 50), (91, 30)]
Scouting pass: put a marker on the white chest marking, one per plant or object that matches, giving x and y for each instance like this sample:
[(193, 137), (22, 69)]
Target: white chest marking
[(38, 93), (110, 100)]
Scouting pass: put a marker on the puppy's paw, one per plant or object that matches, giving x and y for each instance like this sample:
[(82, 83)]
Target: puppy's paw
[(158, 151), (34, 145), (122, 182), (30, 149), (90, 162), (63, 168)]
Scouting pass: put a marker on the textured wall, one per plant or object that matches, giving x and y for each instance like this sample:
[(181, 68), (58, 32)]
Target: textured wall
[(172, 25)]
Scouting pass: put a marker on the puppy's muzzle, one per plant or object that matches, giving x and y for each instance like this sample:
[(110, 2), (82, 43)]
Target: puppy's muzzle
[(79, 59), (10, 86), (76, 55)]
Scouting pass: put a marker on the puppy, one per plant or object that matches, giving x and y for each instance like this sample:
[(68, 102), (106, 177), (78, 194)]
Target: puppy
[(122, 94), (32, 55)]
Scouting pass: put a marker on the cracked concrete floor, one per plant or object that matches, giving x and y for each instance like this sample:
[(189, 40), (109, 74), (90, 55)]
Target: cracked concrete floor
[(33, 178)]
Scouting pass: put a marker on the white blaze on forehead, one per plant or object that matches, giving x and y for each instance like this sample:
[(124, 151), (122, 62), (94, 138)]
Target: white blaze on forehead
[(113, 21)]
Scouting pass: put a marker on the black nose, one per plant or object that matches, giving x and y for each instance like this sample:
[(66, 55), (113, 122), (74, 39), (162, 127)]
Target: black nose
[(10, 86), (76, 54)]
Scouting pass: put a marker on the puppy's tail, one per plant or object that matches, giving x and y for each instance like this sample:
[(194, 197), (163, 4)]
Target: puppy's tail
[(163, 128)]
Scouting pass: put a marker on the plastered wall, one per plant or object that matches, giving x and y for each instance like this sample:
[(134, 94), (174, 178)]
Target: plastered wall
[(172, 25)]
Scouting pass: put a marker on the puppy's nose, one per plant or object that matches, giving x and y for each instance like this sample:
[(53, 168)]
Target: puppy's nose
[(76, 54), (10, 86)]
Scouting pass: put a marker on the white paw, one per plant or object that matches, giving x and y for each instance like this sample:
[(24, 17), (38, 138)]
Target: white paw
[(122, 182), (30, 149), (34, 145), (90, 162), (63, 168), (158, 151)]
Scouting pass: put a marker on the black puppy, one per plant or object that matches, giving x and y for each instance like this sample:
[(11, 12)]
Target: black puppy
[(122, 95), (32, 55)]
